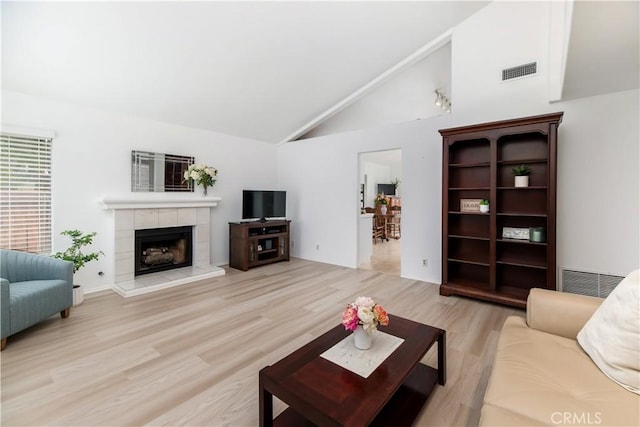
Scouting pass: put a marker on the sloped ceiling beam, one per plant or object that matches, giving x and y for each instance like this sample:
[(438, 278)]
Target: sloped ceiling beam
[(410, 60)]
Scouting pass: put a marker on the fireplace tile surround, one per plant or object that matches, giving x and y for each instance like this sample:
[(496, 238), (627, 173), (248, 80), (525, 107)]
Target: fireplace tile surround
[(162, 249), (140, 214)]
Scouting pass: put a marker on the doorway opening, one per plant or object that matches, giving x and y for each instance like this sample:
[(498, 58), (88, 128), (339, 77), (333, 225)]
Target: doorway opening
[(380, 210)]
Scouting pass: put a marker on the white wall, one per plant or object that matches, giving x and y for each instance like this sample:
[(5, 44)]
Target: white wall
[(597, 162), (599, 184), (328, 218), (91, 160), (501, 35), (599, 135), (407, 96), (376, 174), (322, 186)]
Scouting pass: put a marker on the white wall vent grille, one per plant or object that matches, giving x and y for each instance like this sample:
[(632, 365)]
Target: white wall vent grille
[(519, 71), (584, 283)]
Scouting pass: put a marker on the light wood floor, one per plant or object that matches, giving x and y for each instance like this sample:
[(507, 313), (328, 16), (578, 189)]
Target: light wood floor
[(190, 355), (385, 257)]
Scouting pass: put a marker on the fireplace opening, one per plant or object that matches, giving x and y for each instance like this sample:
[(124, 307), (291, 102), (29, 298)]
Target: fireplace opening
[(162, 249)]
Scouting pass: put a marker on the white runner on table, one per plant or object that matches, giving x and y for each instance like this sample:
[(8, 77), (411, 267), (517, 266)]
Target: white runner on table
[(362, 362)]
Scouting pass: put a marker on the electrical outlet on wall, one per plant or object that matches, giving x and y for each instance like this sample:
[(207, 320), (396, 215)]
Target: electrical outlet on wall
[(425, 262), (317, 247)]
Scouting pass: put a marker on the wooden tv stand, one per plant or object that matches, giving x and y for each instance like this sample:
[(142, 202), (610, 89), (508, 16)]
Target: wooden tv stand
[(256, 243)]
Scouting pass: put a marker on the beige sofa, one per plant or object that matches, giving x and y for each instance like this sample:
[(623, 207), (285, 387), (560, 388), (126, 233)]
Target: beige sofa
[(541, 375)]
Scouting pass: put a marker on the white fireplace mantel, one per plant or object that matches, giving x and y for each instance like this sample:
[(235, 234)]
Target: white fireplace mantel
[(155, 201), (143, 211)]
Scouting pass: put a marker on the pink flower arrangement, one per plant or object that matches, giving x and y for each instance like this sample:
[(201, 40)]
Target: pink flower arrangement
[(364, 311)]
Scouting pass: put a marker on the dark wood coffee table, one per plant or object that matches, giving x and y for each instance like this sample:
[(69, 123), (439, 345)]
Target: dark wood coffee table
[(322, 393)]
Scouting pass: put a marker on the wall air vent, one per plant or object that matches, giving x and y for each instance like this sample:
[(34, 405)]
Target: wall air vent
[(584, 283), (519, 71)]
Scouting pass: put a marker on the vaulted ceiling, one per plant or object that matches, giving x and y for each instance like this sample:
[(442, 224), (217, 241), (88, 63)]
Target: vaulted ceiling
[(259, 70)]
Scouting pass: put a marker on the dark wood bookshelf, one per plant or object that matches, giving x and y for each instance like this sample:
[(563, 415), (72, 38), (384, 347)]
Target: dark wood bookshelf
[(521, 188), (469, 165), (469, 213), (455, 236), (521, 214), (521, 242), (477, 164), (514, 163)]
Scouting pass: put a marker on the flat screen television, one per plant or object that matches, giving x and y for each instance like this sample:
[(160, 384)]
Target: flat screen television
[(263, 204), (387, 189)]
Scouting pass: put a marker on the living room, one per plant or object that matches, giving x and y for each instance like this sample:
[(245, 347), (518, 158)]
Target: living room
[(598, 196)]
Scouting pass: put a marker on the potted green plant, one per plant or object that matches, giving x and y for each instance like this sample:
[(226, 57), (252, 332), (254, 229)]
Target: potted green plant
[(77, 257), (522, 173), (484, 205), (396, 183)]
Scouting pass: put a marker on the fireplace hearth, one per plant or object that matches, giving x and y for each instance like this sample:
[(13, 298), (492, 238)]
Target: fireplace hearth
[(161, 249)]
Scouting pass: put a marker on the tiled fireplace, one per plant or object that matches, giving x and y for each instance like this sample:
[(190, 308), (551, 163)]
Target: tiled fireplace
[(147, 217)]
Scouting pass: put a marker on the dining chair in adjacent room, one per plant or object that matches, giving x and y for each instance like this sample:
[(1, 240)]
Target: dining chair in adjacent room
[(378, 228), (393, 222)]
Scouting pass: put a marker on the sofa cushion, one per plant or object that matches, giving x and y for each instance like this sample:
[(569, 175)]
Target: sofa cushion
[(539, 378), (612, 335), (32, 301)]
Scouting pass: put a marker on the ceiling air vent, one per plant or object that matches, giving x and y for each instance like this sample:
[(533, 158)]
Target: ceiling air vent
[(519, 71)]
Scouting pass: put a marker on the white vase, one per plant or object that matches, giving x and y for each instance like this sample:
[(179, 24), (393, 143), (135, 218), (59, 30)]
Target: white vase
[(204, 192), (383, 209), (484, 208), (361, 339), (522, 181), (78, 295)]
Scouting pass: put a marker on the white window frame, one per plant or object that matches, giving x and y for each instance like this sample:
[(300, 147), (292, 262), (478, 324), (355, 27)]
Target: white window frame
[(25, 193)]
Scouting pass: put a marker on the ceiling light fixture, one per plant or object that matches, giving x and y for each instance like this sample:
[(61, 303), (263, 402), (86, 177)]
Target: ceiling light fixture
[(443, 102)]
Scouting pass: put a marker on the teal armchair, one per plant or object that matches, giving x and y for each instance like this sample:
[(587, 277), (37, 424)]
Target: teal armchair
[(33, 288)]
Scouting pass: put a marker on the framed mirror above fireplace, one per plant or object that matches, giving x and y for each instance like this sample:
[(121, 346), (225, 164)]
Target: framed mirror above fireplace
[(159, 172)]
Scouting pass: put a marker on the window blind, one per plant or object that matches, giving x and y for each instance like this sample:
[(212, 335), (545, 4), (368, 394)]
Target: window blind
[(25, 193)]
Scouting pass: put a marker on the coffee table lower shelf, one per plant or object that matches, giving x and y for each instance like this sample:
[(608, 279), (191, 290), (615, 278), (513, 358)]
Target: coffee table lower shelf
[(401, 410)]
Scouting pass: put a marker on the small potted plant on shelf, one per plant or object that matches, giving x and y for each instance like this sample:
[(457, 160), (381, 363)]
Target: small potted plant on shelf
[(484, 205), (522, 173), (77, 257)]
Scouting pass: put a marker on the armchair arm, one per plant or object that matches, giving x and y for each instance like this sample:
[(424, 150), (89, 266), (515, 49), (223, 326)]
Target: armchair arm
[(4, 308), (559, 313)]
